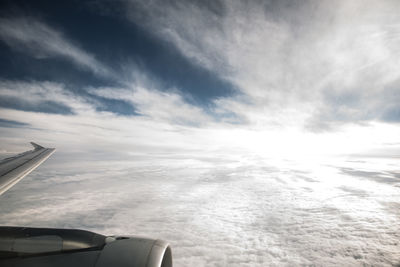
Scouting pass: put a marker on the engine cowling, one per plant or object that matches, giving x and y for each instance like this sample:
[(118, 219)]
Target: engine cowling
[(135, 251), (21, 246)]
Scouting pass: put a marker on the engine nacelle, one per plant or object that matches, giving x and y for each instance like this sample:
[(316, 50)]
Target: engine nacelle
[(21, 246)]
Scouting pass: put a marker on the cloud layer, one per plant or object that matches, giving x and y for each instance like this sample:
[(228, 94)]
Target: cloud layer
[(240, 210)]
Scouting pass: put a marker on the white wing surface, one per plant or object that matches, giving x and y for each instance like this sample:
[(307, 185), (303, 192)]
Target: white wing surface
[(13, 169)]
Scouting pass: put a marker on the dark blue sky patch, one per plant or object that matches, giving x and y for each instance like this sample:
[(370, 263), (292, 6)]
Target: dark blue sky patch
[(12, 124), (45, 106), (116, 43), (15, 65), (115, 106)]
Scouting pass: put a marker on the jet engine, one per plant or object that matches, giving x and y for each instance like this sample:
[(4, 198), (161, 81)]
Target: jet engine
[(21, 246)]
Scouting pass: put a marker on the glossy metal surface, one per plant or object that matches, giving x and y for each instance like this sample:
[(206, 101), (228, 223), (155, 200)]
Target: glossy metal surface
[(14, 169)]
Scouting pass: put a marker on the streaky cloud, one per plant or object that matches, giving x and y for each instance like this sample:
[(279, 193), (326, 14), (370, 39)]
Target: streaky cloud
[(39, 40), (313, 57)]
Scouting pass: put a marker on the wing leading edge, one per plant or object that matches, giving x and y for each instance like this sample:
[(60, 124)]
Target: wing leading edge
[(13, 169)]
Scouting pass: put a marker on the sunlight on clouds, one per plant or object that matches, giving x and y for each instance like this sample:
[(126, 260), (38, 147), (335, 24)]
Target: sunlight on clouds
[(334, 62), (292, 143), (236, 210), (168, 117)]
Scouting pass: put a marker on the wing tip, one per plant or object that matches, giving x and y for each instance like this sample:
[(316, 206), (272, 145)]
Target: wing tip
[(36, 146)]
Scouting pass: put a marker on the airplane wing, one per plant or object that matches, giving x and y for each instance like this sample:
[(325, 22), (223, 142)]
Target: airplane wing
[(27, 246), (13, 169)]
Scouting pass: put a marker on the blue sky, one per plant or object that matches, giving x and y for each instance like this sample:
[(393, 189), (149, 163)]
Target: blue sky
[(271, 69), (113, 44), (273, 75), (257, 54)]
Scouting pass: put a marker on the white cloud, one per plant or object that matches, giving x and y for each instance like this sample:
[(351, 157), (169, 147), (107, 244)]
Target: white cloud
[(236, 210), (333, 62), (164, 106), (39, 40), (167, 123), (162, 126), (221, 194), (36, 93)]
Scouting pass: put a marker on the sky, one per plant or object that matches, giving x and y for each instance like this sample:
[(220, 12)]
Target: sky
[(243, 132)]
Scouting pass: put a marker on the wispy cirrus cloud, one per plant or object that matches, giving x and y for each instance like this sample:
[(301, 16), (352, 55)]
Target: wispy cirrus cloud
[(164, 106), (31, 93), (39, 40), (164, 120), (334, 62)]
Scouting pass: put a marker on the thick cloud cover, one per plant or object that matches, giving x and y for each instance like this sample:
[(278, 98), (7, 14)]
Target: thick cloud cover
[(238, 210)]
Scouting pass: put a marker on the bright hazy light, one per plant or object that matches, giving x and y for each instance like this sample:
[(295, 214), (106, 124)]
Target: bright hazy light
[(296, 143)]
